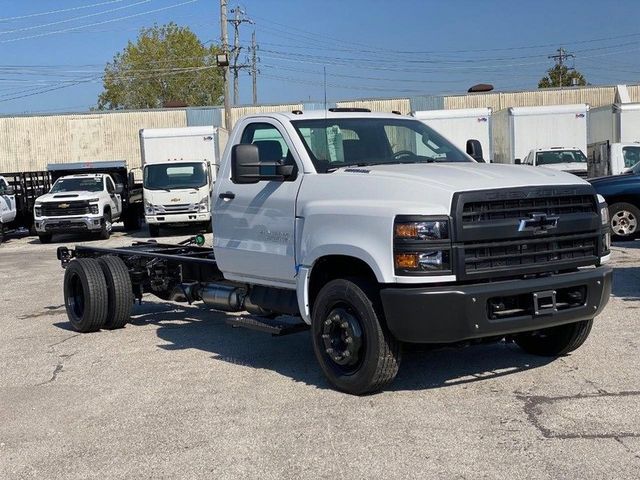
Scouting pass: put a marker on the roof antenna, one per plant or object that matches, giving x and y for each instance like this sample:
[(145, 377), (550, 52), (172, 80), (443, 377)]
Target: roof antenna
[(326, 121), (324, 68)]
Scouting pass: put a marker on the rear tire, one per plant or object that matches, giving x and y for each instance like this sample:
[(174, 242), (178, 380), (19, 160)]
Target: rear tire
[(355, 350), (555, 341), (132, 221), (120, 291), (45, 237), (154, 230), (85, 295), (1, 233), (625, 220)]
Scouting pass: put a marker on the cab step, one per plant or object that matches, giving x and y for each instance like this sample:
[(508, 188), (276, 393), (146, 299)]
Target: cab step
[(275, 327)]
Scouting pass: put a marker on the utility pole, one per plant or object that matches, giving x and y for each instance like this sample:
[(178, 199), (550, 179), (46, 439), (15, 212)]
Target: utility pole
[(560, 58), (254, 67), (238, 19), (224, 40)]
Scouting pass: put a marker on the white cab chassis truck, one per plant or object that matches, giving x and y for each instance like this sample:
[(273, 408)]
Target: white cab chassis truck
[(518, 130), (179, 170), (566, 159), (461, 124), (372, 231)]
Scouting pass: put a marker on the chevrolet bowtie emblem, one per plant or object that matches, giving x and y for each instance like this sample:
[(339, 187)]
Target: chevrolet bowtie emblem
[(538, 223), (175, 200), (64, 205)]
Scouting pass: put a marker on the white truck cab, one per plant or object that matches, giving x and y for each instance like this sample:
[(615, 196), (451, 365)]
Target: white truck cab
[(88, 202), (606, 158), (179, 170), (565, 159)]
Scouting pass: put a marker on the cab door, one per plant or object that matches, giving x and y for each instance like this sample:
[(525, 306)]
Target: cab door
[(115, 199), (254, 224)]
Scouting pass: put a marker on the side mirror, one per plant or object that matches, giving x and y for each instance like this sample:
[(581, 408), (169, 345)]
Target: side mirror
[(245, 164), (119, 188), (474, 150), (9, 190), (517, 161), (132, 180)]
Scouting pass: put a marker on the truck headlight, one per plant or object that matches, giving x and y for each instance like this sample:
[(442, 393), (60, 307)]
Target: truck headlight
[(604, 214), (606, 229), (37, 210), (148, 208), (203, 206), (422, 245), (94, 209)]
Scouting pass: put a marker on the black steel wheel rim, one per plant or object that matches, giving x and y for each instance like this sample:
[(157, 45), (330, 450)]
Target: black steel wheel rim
[(343, 339), (76, 296)]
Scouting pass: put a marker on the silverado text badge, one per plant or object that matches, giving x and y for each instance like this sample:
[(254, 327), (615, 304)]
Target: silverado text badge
[(538, 223)]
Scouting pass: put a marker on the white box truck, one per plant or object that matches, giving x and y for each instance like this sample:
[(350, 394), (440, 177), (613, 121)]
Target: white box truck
[(614, 139), (516, 131), (460, 124), (179, 169)]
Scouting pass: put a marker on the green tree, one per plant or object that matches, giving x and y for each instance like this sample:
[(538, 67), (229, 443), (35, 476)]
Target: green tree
[(166, 64), (561, 76)]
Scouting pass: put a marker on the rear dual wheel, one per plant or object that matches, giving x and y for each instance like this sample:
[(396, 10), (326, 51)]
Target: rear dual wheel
[(97, 293)]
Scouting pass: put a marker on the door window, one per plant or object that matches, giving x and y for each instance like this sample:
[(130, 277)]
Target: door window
[(3, 186), (631, 156), (110, 186)]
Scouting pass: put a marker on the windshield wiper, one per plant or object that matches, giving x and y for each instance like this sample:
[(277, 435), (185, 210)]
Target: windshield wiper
[(361, 164)]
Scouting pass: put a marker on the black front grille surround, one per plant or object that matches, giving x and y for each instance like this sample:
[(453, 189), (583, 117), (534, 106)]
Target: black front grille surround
[(64, 209), (489, 243)]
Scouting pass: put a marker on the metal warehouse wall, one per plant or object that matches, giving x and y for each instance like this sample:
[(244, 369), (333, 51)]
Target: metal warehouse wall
[(31, 142), (239, 112), (594, 96)]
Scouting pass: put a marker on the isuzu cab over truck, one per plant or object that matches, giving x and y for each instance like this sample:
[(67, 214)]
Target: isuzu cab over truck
[(372, 230)]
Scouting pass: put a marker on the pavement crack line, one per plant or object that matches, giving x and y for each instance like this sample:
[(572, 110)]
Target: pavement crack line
[(626, 447), (64, 340), (58, 368)]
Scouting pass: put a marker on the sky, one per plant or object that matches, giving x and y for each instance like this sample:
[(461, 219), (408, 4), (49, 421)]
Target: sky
[(53, 53)]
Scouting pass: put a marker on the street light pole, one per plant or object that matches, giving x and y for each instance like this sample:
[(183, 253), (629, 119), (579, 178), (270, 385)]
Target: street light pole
[(224, 40)]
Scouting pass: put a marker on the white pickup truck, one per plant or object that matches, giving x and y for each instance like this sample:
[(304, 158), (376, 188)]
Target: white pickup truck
[(372, 230), (565, 159)]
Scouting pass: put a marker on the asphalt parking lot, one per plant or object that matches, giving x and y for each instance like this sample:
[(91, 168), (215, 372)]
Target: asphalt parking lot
[(180, 394)]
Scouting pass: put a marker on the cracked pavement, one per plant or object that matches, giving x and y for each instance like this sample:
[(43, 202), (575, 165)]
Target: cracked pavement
[(180, 394)]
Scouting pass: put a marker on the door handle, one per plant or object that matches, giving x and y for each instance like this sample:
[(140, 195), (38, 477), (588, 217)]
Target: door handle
[(227, 196)]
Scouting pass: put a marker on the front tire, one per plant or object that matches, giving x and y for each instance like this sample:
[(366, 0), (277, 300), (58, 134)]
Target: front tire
[(45, 237), (132, 221), (555, 341), (625, 220), (1, 233), (154, 230), (107, 225), (85, 295), (355, 350)]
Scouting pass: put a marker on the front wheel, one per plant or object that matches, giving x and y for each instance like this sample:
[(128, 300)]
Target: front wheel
[(625, 220), (555, 341), (107, 225), (45, 237), (154, 230), (355, 350)]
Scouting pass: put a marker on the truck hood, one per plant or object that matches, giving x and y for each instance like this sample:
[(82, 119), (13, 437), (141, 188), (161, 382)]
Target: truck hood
[(458, 177), (62, 196), (567, 167), (617, 180)]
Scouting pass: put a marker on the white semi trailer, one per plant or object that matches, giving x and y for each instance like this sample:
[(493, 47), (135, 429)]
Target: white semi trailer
[(614, 139), (460, 124), (518, 130)]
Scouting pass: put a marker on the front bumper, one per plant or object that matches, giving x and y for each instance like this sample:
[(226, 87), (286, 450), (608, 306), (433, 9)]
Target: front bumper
[(178, 218), (87, 223), (462, 312)]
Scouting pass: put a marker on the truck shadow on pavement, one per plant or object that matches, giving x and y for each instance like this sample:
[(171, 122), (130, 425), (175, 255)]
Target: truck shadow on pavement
[(626, 283), (292, 356)]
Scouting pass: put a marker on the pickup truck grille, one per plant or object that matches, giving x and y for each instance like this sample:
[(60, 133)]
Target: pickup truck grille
[(521, 207), (65, 209), (180, 208), (489, 241)]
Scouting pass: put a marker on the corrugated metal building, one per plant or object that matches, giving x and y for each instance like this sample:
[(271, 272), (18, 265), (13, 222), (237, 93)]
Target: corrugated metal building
[(30, 142)]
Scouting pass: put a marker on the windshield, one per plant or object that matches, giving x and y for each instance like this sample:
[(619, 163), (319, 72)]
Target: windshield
[(83, 184), (334, 143), (167, 176), (560, 156)]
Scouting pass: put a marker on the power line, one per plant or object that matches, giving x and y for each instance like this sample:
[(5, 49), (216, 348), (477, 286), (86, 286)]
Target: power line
[(67, 20), (70, 29), (52, 12)]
